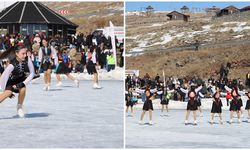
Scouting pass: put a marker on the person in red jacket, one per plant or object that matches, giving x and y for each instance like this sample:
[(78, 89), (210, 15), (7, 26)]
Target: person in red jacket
[(228, 97)]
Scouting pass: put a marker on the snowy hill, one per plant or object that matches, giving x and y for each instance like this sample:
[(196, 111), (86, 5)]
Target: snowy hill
[(163, 33), (88, 15), (170, 45)]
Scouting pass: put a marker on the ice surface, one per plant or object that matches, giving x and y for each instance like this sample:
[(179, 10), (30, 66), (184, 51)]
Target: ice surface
[(170, 132), (65, 117)]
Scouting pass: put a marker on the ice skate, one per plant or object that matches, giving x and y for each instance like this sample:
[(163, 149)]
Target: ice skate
[(150, 122), (20, 112), (195, 122), (76, 83), (141, 122), (45, 88), (59, 84), (96, 86), (201, 115)]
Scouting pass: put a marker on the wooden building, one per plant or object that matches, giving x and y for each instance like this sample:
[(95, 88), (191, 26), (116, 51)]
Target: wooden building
[(174, 15)]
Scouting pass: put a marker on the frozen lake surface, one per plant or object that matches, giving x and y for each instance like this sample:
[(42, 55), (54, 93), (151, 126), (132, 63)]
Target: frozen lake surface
[(65, 117), (170, 132)]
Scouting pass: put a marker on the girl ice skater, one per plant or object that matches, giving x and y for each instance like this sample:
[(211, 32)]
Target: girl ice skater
[(129, 102), (148, 106), (16, 76), (200, 96), (47, 56), (91, 68), (165, 100), (192, 104), (216, 107), (248, 105), (235, 103), (63, 63)]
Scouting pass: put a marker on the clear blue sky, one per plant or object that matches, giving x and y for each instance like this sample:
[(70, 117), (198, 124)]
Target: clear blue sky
[(170, 6)]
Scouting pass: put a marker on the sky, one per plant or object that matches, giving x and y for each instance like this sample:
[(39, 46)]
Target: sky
[(171, 6), (165, 6), (5, 4)]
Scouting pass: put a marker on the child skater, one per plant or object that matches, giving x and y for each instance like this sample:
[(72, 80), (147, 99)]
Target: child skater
[(165, 100), (63, 63), (200, 96), (129, 102), (47, 56), (91, 68), (248, 105), (16, 76), (148, 106), (235, 103), (192, 102), (216, 107)]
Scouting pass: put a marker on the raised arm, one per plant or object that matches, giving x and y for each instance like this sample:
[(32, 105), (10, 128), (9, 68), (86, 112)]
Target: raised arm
[(139, 90), (213, 89), (198, 89), (201, 95), (54, 55), (184, 91), (5, 77), (40, 55), (241, 93), (227, 88), (32, 72)]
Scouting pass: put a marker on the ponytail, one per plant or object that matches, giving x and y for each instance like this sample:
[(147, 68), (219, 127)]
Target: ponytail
[(11, 51), (7, 53)]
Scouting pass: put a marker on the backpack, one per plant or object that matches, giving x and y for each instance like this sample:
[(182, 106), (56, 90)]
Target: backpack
[(65, 58)]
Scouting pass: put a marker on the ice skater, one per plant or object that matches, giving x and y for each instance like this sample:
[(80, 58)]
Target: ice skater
[(248, 105), (91, 68), (192, 104), (63, 68), (147, 106), (129, 102), (165, 100), (199, 98), (16, 76), (236, 103), (47, 56), (216, 107)]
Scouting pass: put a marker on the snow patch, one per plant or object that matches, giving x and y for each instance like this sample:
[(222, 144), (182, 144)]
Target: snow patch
[(132, 13), (238, 36), (157, 24), (132, 37), (240, 26), (136, 49), (207, 27), (237, 23)]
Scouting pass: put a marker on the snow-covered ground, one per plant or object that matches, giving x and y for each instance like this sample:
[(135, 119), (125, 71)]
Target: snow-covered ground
[(239, 26), (170, 132), (117, 74), (170, 35), (65, 117)]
